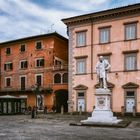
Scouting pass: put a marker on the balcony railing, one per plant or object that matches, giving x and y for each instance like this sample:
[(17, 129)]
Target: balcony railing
[(60, 67), (12, 90)]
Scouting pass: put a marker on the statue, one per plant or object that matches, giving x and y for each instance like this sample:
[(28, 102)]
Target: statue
[(102, 67)]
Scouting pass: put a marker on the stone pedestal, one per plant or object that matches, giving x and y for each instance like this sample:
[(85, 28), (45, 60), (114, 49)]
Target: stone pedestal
[(102, 112)]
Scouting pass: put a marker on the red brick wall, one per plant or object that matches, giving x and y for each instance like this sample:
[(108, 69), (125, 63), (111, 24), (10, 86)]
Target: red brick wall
[(51, 46)]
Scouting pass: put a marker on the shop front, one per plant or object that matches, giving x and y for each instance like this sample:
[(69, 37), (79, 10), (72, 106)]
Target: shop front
[(12, 104)]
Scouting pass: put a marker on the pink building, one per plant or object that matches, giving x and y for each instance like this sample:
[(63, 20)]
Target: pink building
[(114, 34)]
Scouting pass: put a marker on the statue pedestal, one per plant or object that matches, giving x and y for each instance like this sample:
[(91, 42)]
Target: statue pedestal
[(102, 112)]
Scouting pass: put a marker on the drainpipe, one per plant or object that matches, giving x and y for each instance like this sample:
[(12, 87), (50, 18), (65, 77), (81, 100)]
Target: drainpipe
[(91, 49)]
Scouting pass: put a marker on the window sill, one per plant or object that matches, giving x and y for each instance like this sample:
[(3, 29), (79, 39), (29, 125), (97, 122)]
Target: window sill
[(8, 87), (81, 74), (130, 39), (130, 70), (23, 69), (22, 52), (60, 83), (7, 70), (39, 67), (8, 54), (39, 49), (104, 43), (80, 46)]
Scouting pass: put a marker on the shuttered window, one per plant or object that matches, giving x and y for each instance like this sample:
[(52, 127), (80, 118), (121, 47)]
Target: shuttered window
[(39, 79), (7, 81), (23, 64), (130, 31), (130, 61), (8, 66), (39, 62), (22, 48), (104, 35), (80, 39), (22, 82), (38, 45), (81, 66)]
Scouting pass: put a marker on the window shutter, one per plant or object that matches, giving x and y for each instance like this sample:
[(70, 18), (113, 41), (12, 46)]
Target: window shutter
[(37, 63), (11, 66), (26, 64), (42, 62), (4, 66)]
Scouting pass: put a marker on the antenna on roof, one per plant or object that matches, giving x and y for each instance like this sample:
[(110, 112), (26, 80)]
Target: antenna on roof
[(52, 27)]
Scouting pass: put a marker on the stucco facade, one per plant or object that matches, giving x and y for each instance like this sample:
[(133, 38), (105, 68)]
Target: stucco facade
[(120, 81), (44, 63)]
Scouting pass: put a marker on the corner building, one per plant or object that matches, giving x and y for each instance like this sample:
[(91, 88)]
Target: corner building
[(41, 59), (114, 34)]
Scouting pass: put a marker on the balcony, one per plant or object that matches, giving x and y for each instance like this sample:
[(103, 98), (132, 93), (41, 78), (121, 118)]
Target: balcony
[(60, 68), (26, 90)]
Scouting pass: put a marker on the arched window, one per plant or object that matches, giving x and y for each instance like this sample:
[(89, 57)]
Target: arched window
[(65, 78), (57, 78)]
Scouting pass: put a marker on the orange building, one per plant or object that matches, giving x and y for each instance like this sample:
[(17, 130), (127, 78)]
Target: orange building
[(40, 59), (114, 34)]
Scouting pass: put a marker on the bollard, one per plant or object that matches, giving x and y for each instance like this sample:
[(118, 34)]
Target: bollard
[(134, 111), (62, 109), (71, 112), (122, 110), (80, 112)]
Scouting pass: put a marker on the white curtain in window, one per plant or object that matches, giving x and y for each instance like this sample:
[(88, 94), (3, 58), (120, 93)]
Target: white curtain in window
[(131, 32), (104, 36), (130, 62), (81, 67), (81, 39)]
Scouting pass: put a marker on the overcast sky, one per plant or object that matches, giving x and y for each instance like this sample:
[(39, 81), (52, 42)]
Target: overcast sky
[(22, 18)]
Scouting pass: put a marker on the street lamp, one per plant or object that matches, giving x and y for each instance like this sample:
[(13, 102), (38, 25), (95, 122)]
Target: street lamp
[(37, 90)]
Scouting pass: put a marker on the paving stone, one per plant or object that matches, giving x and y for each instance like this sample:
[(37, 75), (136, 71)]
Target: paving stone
[(22, 127)]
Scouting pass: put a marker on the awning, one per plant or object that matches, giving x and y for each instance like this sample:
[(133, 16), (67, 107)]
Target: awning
[(13, 97)]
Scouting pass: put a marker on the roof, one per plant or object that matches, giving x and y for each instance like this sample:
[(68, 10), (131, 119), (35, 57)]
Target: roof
[(110, 13), (54, 34)]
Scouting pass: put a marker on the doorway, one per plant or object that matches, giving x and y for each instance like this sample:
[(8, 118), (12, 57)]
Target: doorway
[(61, 98), (130, 101)]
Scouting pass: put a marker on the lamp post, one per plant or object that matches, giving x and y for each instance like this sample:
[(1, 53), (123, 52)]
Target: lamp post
[(37, 90)]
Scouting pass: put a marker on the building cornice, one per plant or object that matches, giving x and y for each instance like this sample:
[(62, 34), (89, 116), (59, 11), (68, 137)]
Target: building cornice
[(36, 37), (104, 15)]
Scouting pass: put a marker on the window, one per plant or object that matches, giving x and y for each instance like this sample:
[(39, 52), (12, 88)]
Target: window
[(23, 64), (7, 81), (130, 31), (57, 62), (80, 39), (130, 61), (22, 48), (57, 78), (40, 62), (8, 66), (81, 94), (38, 45), (104, 35), (106, 57), (8, 51), (65, 78), (22, 82), (39, 79), (81, 66), (130, 93)]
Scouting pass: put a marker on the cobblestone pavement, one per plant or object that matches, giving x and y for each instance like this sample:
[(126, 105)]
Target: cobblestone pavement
[(56, 127)]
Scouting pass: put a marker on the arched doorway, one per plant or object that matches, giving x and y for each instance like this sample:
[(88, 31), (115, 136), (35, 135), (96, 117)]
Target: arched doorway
[(61, 98)]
